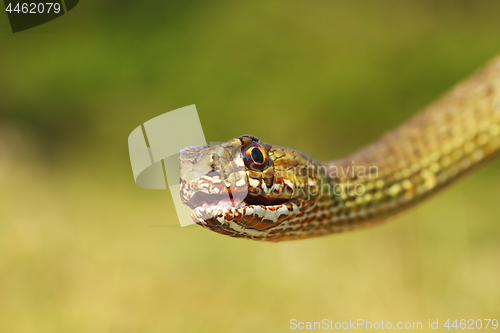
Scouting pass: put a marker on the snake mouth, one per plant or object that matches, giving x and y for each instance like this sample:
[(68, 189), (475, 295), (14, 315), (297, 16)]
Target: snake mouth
[(200, 199), (259, 199)]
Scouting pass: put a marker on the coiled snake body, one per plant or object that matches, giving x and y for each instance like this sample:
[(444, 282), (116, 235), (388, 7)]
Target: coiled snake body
[(249, 189)]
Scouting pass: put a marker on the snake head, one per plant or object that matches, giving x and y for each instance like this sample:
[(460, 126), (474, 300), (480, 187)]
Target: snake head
[(247, 188)]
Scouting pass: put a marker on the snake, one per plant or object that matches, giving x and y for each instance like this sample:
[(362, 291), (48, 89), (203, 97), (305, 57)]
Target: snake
[(246, 188)]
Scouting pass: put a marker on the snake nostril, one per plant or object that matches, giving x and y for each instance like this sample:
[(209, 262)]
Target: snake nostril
[(212, 173)]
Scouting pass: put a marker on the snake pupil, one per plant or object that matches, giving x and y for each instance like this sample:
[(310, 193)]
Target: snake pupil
[(257, 156)]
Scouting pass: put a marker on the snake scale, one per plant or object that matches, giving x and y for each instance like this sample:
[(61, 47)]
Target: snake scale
[(250, 189)]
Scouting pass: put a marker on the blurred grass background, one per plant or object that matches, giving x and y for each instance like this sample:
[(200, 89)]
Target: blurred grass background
[(80, 246)]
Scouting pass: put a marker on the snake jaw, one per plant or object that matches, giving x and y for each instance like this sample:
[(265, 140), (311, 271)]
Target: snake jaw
[(243, 220)]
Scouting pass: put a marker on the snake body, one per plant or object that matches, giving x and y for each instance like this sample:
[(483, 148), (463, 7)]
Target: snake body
[(249, 189)]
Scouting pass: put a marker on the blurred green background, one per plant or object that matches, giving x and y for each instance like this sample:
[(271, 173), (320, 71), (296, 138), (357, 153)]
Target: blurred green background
[(83, 249)]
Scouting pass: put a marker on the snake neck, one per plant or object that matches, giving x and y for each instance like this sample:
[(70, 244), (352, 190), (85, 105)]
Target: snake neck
[(453, 136)]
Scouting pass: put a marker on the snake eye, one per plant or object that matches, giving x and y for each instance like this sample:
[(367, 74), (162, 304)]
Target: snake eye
[(255, 156)]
